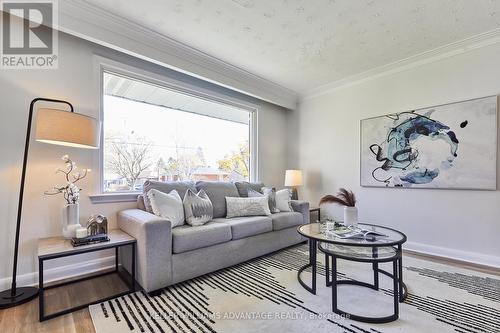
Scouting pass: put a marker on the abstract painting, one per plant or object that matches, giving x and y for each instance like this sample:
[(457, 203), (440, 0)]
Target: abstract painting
[(452, 146)]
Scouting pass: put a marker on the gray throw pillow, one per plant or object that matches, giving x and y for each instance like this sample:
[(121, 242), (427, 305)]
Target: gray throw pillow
[(243, 188), (271, 195), (198, 208), (257, 206)]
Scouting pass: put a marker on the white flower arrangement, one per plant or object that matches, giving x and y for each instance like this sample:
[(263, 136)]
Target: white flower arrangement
[(70, 191)]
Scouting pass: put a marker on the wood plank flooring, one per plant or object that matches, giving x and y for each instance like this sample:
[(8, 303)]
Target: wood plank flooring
[(24, 318)]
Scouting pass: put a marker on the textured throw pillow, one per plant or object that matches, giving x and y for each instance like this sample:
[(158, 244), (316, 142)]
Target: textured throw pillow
[(167, 205), (271, 195), (197, 208), (258, 206), (283, 198)]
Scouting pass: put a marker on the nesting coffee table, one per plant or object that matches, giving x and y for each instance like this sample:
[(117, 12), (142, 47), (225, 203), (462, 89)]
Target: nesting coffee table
[(373, 250)]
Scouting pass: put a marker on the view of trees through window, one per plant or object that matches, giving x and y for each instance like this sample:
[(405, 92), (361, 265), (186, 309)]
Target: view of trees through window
[(158, 134)]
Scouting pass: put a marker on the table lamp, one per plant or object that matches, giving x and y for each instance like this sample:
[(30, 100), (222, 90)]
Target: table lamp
[(293, 179), (59, 127)]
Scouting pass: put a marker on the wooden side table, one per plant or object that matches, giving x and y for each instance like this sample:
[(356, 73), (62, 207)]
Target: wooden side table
[(58, 247)]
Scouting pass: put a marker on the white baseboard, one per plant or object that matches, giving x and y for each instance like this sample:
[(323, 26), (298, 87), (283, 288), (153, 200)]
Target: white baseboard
[(465, 256), (61, 272)]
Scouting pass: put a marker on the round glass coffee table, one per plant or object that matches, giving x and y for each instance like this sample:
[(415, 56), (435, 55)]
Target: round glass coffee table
[(370, 249)]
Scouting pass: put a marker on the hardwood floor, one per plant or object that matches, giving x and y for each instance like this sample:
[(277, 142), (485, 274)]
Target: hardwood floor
[(24, 318)]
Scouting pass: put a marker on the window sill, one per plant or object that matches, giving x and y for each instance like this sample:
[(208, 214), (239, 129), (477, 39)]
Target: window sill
[(113, 197)]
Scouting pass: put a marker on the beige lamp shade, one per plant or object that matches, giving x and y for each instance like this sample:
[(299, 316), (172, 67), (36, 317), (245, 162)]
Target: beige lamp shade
[(67, 129), (293, 178)]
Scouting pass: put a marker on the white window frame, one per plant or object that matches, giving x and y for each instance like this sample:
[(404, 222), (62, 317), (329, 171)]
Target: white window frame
[(103, 65)]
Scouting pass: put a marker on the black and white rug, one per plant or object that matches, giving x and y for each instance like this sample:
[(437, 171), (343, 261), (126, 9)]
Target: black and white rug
[(263, 295)]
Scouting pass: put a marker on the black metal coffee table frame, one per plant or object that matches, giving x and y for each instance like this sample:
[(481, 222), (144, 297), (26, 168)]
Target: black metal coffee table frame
[(399, 288)]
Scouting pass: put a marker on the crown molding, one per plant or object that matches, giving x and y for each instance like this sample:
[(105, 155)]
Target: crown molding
[(86, 21), (442, 52)]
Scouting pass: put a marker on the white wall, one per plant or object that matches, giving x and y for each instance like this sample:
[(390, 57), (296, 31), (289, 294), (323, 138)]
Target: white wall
[(455, 223), (75, 81)]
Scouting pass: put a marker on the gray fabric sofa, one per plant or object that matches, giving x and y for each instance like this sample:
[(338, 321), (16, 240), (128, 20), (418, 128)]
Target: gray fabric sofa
[(167, 255)]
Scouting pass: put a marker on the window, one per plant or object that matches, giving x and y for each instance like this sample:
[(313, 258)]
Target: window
[(158, 133)]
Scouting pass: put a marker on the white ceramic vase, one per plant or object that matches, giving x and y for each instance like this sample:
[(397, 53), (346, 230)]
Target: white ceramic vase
[(350, 216), (71, 220)]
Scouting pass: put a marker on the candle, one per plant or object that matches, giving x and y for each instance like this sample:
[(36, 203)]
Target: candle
[(81, 232)]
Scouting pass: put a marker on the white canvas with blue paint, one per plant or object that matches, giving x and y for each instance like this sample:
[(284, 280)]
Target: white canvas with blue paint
[(451, 146)]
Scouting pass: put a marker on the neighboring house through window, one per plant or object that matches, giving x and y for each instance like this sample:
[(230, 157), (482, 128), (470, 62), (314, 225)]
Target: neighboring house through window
[(157, 133)]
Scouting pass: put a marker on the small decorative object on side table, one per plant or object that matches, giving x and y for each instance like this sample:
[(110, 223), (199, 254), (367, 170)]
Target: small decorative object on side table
[(95, 232), (58, 247)]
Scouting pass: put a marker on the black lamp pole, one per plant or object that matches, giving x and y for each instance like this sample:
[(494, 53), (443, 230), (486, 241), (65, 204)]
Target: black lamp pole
[(15, 296)]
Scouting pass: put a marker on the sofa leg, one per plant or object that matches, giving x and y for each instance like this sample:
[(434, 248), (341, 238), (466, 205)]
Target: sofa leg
[(155, 293)]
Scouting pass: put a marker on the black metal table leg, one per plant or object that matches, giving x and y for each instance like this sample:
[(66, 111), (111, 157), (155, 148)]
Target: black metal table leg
[(312, 264), (402, 293), (116, 259), (396, 284), (133, 267), (41, 310), (375, 268), (327, 270), (334, 284)]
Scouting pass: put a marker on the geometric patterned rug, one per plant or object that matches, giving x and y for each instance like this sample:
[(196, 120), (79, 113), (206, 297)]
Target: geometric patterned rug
[(263, 295)]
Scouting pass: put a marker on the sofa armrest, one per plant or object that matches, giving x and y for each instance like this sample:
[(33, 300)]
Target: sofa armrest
[(301, 207), (154, 247)]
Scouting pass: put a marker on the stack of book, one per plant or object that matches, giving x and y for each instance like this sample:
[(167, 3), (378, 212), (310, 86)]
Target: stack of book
[(89, 240)]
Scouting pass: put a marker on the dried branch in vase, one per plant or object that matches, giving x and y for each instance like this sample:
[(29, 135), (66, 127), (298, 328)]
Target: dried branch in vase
[(70, 191), (343, 198)]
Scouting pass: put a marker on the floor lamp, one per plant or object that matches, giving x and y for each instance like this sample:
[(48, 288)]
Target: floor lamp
[(53, 126)]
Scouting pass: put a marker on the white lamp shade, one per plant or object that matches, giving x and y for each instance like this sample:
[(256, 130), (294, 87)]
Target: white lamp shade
[(67, 129), (293, 178)]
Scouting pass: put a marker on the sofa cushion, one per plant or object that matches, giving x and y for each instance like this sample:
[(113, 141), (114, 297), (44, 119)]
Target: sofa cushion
[(242, 227), (217, 192), (166, 187), (244, 186), (187, 238), (286, 220)]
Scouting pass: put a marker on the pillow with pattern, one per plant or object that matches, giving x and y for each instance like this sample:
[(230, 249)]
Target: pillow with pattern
[(198, 208), (270, 193), (257, 206)]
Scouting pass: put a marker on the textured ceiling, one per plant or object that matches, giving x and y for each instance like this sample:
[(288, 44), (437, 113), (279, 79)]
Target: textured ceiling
[(303, 44)]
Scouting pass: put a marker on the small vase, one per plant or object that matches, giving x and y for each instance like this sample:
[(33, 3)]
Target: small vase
[(71, 220), (350, 216)]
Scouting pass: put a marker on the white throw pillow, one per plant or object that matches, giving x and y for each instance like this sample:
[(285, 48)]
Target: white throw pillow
[(257, 206), (198, 208), (283, 198), (167, 205)]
